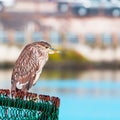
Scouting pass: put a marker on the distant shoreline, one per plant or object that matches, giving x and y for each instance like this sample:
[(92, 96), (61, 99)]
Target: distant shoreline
[(71, 66)]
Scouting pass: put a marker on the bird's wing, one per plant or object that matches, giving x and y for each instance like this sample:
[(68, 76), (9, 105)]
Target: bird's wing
[(25, 68)]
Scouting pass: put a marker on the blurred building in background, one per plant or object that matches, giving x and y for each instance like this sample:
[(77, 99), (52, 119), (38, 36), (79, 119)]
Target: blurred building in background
[(90, 27)]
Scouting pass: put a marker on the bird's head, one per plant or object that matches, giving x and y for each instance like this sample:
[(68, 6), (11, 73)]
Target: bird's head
[(48, 47)]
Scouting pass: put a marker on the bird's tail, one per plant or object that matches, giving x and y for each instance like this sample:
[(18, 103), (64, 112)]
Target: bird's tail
[(16, 89), (13, 87)]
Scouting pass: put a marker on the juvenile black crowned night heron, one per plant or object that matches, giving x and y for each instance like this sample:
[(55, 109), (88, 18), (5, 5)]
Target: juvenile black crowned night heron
[(29, 65)]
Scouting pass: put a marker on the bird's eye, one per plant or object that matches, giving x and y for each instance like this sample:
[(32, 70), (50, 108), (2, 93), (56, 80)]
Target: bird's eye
[(46, 47)]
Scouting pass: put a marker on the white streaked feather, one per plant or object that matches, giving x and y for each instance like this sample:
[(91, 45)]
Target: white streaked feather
[(20, 85)]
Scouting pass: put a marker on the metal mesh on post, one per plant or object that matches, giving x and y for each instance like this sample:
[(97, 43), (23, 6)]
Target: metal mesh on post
[(29, 106)]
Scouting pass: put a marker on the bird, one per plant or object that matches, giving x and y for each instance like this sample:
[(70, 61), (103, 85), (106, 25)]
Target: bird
[(29, 65)]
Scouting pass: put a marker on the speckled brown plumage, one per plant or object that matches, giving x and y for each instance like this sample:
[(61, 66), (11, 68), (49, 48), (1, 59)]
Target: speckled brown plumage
[(29, 65)]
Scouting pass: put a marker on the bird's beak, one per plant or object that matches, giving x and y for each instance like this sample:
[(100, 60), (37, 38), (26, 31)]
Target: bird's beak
[(52, 51)]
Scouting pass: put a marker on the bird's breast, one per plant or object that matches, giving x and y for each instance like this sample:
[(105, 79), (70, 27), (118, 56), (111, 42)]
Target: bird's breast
[(37, 77), (42, 60)]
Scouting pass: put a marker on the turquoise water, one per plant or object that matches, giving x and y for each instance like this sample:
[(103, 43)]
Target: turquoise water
[(84, 96), (84, 100)]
